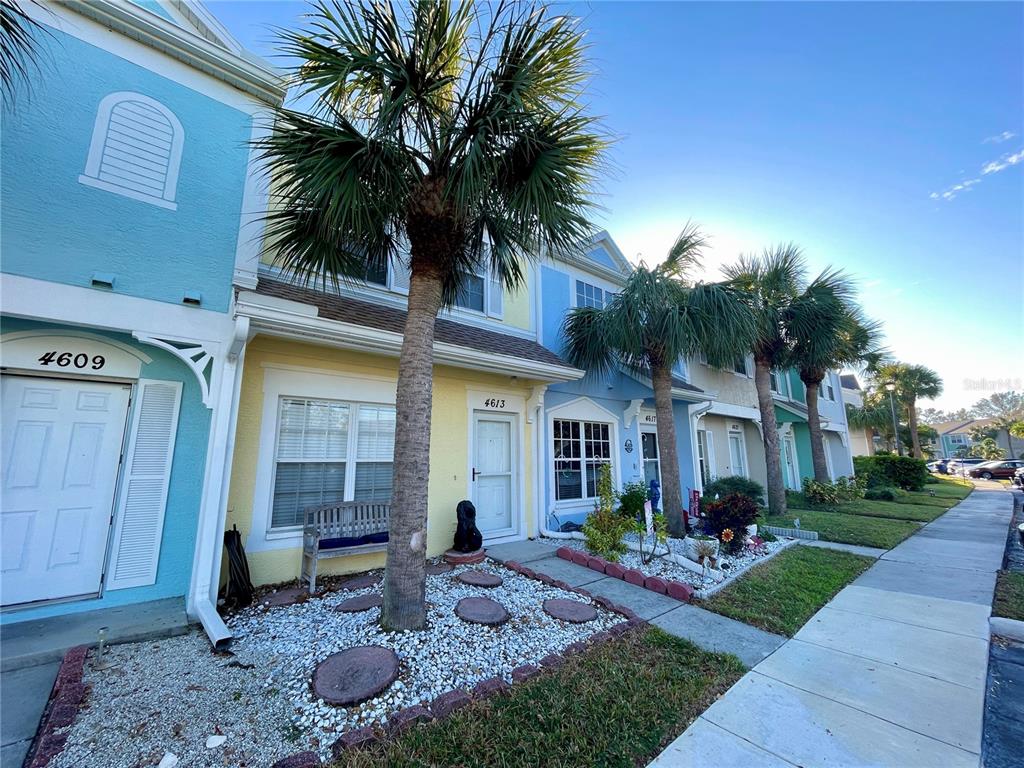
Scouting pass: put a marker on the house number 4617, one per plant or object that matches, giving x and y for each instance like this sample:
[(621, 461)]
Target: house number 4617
[(72, 360)]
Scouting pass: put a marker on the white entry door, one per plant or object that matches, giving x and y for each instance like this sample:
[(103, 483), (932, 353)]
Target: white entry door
[(59, 455), (789, 463), (495, 475)]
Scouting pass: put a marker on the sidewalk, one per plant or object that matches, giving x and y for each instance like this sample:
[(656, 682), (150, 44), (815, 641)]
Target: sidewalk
[(703, 628), (890, 673)]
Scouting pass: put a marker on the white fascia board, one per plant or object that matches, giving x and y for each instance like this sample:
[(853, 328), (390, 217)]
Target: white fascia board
[(41, 300), (256, 79), (736, 411), (289, 323)]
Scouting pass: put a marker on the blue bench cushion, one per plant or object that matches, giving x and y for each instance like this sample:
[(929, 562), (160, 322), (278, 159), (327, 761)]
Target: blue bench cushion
[(354, 541)]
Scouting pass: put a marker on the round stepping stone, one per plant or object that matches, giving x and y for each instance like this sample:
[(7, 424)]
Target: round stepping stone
[(284, 597), (355, 674), (464, 558), (362, 582), (436, 569), (480, 579), (570, 610), (481, 610), (360, 603)]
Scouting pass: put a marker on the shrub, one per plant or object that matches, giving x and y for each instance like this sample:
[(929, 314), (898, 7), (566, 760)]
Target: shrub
[(886, 470), (884, 494), (726, 486), (734, 512), (632, 498), (832, 494), (604, 528)]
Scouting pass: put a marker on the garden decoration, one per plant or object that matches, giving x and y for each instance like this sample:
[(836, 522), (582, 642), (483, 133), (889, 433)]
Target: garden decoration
[(655, 493), (467, 536)]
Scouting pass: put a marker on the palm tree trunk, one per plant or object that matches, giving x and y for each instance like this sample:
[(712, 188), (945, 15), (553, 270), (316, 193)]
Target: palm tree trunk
[(672, 491), (817, 439), (404, 574), (770, 430), (915, 439)]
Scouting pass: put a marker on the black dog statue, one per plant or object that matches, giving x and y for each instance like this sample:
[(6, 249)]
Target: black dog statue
[(467, 535)]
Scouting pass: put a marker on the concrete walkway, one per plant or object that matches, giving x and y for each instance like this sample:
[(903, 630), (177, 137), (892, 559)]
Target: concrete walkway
[(890, 673), (874, 552), (703, 628)]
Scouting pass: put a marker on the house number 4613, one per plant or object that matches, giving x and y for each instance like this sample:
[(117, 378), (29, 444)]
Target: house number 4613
[(493, 402), (72, 360)]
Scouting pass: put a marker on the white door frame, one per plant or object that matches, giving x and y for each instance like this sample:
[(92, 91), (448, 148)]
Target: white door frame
[(736, 430), (116, 491), (789, 441), (516, 460), (650, 429)]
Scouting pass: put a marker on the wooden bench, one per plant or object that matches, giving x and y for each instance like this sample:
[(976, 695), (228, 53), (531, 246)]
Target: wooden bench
[(337, 530)]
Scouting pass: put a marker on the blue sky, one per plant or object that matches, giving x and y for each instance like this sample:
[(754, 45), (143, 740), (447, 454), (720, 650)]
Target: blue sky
[(844, 127)]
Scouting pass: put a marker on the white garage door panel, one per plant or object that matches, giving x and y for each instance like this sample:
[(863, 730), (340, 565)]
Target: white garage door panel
[(61, 445)]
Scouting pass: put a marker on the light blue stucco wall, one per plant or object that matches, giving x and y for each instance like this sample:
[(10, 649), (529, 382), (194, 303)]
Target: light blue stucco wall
[(184, 495), (57, 229)]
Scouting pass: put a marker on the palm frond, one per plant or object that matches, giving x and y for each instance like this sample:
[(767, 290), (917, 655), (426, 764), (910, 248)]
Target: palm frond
[(19, 47)]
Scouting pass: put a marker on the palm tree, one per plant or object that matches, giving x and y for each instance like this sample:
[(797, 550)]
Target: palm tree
[(444, 138), (839, 340), (912, 383), (658, 318), (18, 47), (784, 306)]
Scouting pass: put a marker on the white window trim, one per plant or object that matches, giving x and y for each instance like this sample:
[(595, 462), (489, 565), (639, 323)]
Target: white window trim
[(709, 458), (580, 409), (99, 140), (304, 383), (828, 456), (748, 365), (652, 429)]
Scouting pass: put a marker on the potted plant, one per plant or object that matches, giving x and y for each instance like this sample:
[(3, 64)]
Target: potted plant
[(701, 548)]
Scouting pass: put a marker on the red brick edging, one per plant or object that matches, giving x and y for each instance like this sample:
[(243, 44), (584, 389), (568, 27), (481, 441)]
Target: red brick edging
[(62, 708), (679, 590), (457, 698)]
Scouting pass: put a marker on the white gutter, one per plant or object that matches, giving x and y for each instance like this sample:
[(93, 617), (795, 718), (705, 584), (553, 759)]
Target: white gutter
[(210, 537), (695, 415)]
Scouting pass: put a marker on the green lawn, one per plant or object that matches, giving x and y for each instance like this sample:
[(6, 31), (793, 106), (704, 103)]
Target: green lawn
[(1009, 598), (617, 704), (895, 510), (848, 529), (783, 593), (948, 486)]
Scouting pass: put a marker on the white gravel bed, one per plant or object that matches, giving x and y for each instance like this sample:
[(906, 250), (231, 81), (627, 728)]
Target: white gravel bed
[(730, 565), (171, 695)]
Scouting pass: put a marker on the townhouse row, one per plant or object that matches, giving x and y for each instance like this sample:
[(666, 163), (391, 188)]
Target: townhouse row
[(163, 383)]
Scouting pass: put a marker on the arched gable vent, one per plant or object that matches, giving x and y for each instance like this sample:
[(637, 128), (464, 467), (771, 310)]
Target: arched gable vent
[(136, 149)]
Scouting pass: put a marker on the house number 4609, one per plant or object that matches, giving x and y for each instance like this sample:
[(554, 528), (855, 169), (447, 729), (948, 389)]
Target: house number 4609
[(71, 359)]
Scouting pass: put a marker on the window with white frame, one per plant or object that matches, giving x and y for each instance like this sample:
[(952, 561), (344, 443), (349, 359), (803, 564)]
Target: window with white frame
[(580, 448), (588, 295), (777, 382), (330, 451), (830, 390), (738, 452), (135, 149), (481, 292), (703, 457), (740, 366)]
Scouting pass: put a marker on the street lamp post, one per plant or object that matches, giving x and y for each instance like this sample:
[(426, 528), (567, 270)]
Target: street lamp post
[(890, 388)]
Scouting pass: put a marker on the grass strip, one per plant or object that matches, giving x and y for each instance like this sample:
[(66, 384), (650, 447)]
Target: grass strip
[(782, 594), (616, 705)]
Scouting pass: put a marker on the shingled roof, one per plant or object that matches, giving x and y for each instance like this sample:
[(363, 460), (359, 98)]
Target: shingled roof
[(345, 309)]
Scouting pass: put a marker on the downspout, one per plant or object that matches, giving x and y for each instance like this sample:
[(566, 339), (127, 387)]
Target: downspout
[(695, 415), (210, 537)]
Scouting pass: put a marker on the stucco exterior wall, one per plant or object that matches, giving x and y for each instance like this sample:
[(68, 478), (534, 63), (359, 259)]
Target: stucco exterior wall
[(449, 451), (728, 387)]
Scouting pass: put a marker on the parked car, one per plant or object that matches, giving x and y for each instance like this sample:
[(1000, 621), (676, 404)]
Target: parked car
[(960, 466), (996, 470), (938, 466)]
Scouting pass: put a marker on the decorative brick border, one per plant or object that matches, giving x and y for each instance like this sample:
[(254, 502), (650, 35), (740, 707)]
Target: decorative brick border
[(678, 590), (457, 698), (62, 708)]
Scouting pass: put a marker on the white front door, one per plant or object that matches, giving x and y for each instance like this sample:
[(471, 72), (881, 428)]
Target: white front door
[(651, 457), (59, 456), (789, 463), (495, 474)]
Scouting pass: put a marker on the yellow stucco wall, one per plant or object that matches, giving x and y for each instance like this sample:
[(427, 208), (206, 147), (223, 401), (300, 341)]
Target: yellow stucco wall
[(728, 387), (449, 447)]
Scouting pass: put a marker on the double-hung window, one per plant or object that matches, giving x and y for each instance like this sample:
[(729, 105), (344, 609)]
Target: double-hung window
[(330, 451), (830, 391), (481, 291), (740, 366), (580, 448)]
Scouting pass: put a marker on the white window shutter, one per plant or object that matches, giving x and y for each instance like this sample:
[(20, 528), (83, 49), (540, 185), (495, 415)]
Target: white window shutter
[(146, 474), (399, 276), (496, 299)]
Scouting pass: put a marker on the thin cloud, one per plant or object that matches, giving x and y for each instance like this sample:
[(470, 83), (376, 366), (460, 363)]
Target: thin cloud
[(994, 166), (999, 138)]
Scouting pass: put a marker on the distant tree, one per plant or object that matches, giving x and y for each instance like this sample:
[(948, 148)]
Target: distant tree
[(988, 449), (913, 382), (1005, 409), (1017, 429), (938, 416)]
